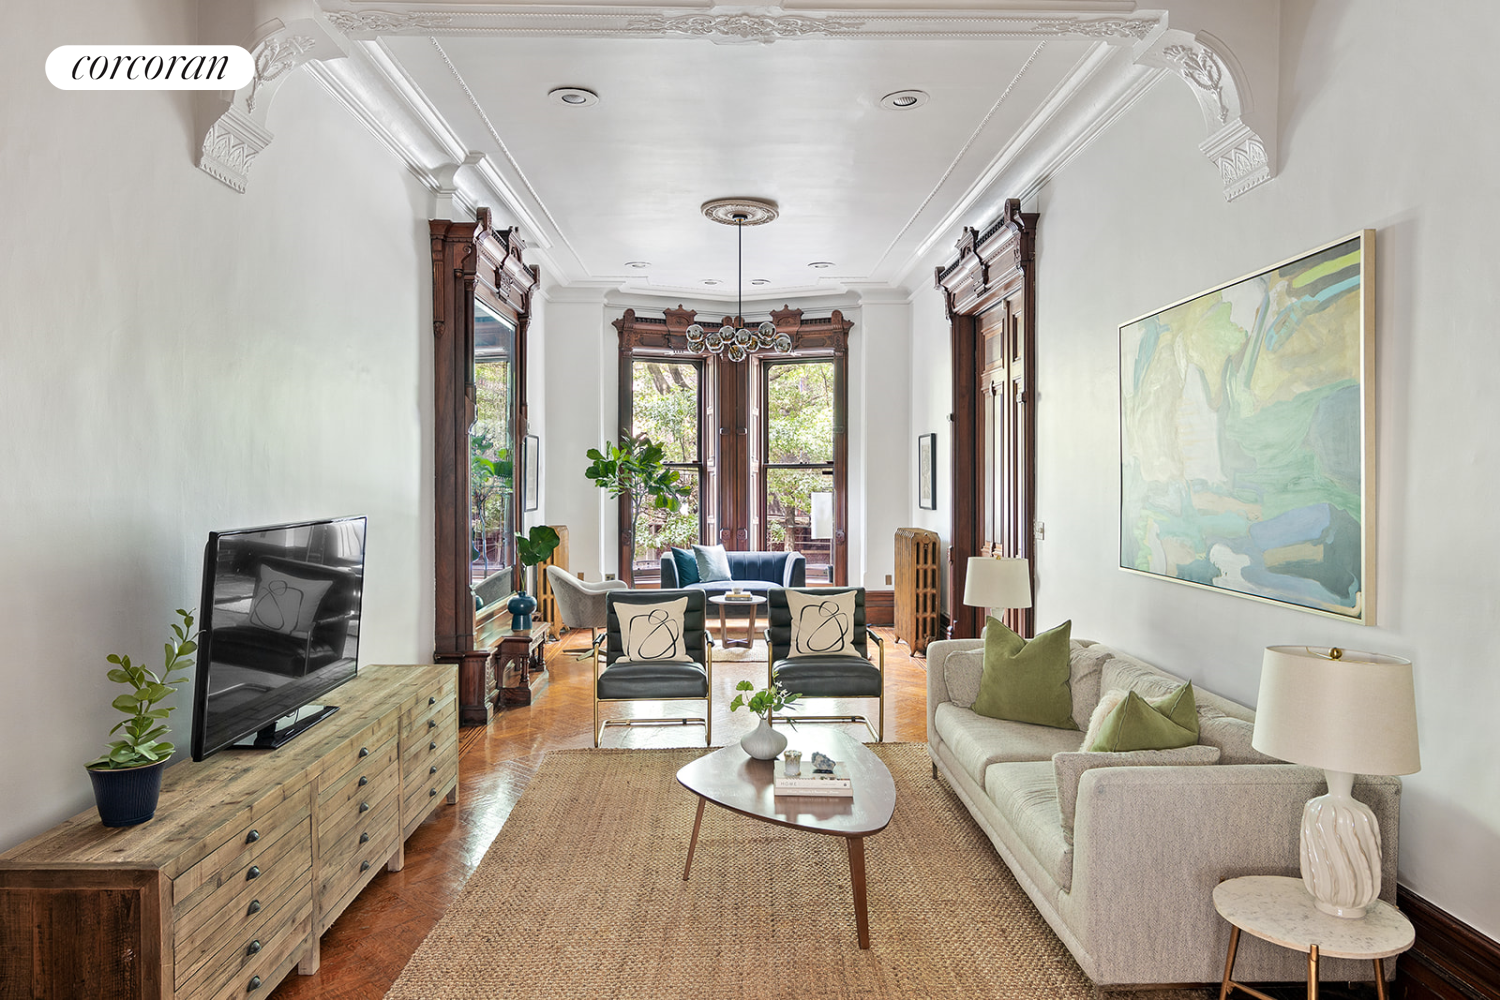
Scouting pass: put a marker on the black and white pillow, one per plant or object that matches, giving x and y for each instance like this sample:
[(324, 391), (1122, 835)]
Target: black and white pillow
[(652, 633), (822, 623), (285, 603)]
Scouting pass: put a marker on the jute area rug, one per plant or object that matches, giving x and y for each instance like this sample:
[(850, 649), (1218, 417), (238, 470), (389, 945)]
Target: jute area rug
[(581, 896)]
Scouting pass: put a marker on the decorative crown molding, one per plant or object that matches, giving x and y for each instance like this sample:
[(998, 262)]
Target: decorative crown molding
[(236, 133), (385, 22), (743, 27)]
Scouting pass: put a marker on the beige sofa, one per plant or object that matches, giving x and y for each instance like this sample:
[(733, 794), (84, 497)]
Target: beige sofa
[(1130, 891)]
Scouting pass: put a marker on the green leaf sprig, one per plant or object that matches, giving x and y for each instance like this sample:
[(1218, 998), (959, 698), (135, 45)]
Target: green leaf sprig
[(143, 729), (772, 699)]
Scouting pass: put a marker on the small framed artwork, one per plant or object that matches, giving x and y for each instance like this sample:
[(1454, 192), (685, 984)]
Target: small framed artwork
[(531, 472), (927, 472)]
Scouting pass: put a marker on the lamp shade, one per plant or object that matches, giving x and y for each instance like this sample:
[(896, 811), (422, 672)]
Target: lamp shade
[(1353, 712), (997, 583)]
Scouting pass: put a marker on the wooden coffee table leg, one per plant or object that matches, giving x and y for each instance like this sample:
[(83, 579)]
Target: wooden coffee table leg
[(750, 629), (693, 844), (857, 877), (723, 626)]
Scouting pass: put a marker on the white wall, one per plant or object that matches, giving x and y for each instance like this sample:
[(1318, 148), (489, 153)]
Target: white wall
[(176, 358), (882, 445), (1383, 125)]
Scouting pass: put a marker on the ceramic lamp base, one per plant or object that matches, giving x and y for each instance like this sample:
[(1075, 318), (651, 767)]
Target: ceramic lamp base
[(1340, 849)]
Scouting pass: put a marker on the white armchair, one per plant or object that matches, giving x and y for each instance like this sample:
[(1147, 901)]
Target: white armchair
[(581, 604)]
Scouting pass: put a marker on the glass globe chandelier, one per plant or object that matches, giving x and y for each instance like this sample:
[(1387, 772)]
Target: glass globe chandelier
[(738, 343)]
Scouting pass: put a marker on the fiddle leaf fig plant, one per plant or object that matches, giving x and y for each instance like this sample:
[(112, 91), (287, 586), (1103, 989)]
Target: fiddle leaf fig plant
[(537, 544), (636, 468), (144, 724)]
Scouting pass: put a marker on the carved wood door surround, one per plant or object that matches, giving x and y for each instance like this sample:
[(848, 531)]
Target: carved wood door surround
[(990, 295)]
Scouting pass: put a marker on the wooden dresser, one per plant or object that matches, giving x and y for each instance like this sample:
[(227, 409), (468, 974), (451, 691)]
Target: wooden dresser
[(251, 856)]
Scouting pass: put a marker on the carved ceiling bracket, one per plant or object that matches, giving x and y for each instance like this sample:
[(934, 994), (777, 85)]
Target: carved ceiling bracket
[(234, 124), (1241, 141)]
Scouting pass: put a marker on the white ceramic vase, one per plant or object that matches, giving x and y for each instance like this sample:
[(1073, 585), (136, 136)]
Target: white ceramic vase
[(763, 742)]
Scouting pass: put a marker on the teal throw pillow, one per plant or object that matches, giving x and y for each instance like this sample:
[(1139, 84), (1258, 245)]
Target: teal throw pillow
[(687, 566), (713, 563), (1026, 681)]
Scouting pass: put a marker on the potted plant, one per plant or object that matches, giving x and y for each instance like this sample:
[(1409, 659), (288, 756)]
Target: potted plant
[(127, 778), (763, 742), (531, 548), (635, 468)]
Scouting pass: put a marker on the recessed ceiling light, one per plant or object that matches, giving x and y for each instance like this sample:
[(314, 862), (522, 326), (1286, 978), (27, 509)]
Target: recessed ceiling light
[(821, 264), (760, 281), (904, 100), (712, 281), (638, 264), (574, 97)]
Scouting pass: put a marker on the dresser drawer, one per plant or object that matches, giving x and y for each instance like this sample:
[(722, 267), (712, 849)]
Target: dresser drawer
[(338, 764), (259, 973), (349, 806), (247, 844), (222, 958), (432, 701), (422, 754), (421, 796), (355, 859), (237, 909)]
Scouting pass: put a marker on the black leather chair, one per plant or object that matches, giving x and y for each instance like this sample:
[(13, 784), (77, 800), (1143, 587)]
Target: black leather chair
[(676, 680), (847, 675)]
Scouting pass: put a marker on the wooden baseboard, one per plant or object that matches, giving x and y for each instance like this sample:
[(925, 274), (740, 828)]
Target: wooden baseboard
[(880, 607), (1450, 960)]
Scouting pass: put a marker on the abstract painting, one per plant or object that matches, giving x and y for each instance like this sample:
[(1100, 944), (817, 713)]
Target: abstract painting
[(1244, 442)]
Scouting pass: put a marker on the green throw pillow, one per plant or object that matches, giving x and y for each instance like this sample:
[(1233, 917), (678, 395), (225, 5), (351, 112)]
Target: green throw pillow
[(713, 563), (1026, 681), (1138, 724)]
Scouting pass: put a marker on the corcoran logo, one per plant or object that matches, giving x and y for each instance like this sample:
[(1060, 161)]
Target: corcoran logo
[(150, 67)]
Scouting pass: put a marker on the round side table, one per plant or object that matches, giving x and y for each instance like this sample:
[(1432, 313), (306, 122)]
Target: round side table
[(745, 602), (1280, 910)]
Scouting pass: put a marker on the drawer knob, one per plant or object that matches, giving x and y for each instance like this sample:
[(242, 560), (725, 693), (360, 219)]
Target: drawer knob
[(252, 836), (432, 746), (253, 873), (364, 866), (254, 947), (364, 807), (432, 701), (364, 838), (364, 751), (254, 984), (431, 793), (254, 907), (431, 723), (363, 781), (432, 769)]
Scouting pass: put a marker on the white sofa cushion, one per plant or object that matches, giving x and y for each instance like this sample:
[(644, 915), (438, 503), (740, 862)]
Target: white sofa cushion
[(1232, 738), (1025, 793), (1069, 769), (977, 742)]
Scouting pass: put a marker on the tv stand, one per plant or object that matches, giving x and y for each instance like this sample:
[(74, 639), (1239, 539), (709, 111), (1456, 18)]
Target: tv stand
[(285, 728), (248, 861)]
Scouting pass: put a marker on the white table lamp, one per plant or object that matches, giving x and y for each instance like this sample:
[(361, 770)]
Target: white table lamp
[(1348, 713), (997, 583)]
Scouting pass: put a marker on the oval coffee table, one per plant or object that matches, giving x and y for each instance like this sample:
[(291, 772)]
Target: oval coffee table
[(733, 780)]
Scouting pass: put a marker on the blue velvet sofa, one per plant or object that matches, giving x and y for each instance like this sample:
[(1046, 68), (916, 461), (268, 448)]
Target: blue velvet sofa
[(756, 572)]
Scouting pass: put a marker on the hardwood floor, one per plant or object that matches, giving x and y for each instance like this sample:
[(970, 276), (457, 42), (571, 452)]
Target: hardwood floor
[(364, 952)]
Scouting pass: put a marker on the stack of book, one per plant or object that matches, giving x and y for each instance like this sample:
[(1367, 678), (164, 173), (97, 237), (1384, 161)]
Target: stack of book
[(807, 783), (742, 596)]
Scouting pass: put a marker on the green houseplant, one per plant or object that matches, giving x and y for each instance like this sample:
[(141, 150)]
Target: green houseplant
[(763, 742), (127, 777), (531, 548), (635, 468)]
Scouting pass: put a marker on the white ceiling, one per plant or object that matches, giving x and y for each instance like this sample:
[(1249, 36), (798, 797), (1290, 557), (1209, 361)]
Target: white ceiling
[(689, 112)]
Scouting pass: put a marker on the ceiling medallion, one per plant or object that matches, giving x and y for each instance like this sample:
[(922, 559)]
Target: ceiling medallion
[(737, 344), (741, 211)]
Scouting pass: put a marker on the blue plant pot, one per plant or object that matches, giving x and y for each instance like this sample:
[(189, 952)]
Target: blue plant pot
[(520, 607), (127, 796)]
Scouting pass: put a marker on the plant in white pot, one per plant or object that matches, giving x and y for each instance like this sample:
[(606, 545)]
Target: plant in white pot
[(127, 778), (763, 742)]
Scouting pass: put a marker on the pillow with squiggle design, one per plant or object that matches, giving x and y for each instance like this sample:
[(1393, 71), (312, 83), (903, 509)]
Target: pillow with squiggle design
[(822, 623), (652, 633)]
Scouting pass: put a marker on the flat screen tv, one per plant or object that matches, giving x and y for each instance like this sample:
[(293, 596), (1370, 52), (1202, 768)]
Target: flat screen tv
[(280, 621)]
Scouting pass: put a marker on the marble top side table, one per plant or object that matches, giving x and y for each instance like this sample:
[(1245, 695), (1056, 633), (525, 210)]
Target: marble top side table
[(1280, 910)]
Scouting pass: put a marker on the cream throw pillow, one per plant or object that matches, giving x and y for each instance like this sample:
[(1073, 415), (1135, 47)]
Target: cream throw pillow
[(822, 623), (961, 672), (652, 633)]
